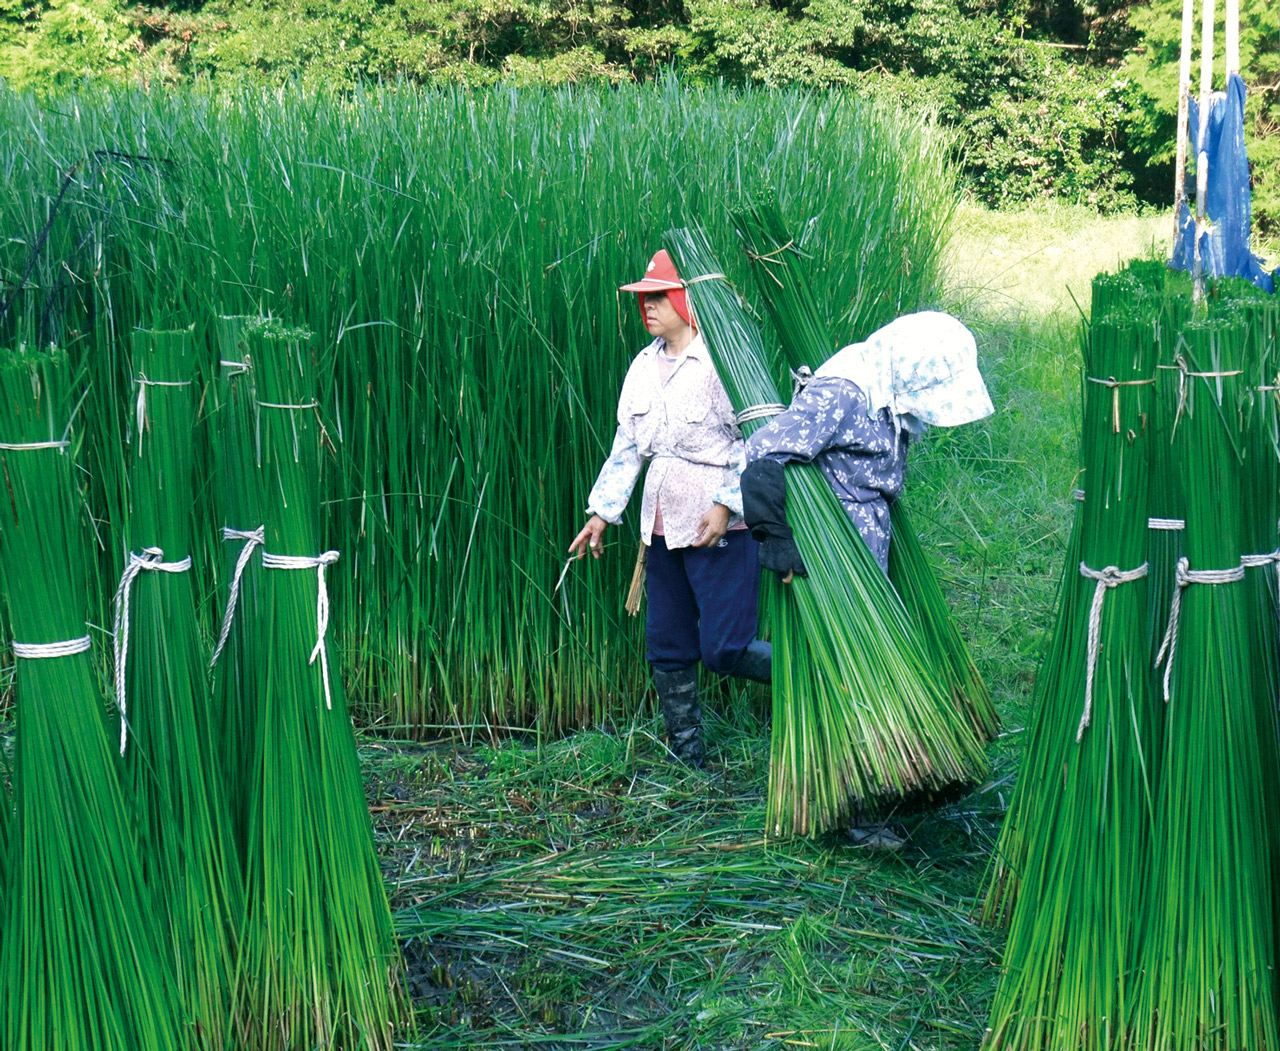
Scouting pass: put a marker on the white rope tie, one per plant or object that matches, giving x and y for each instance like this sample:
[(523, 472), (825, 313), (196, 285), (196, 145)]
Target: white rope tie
[(233, 368), (1168, 524), (1261, 562), (270, 561), (1184, 373), (152, 558), (1108, 578), (143, 383), (1078, 495), (758, 412), (252, 538), (1115, 386), (1185, 577), (24, 446), (37, 650)]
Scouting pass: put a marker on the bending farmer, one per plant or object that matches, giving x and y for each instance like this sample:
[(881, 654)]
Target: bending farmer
[(703, 570), (855, 419)]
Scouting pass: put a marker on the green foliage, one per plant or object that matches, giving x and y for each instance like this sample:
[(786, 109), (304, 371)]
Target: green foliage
[(71, 40), (1054, 133), (1055, 101), (336, 43)]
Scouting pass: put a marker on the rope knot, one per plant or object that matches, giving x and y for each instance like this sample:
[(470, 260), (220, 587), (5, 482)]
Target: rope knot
[(1184, 576), (800, 378), (253, 538), (1115, 385), (1106, 578), (328, 558), (150, 560)]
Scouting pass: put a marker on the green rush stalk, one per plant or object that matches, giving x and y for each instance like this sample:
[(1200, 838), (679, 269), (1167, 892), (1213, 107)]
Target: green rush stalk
[(1067, 980), (1209, 947), (780, 268), (6, 832), (859, 722), (1008, 860), (83, 966), (175, 784), (319, 947), (1139, 289), (459, 251), (233, 422)]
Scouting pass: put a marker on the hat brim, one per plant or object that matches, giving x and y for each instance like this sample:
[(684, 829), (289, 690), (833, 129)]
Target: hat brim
[(960, 400), (651, 284)]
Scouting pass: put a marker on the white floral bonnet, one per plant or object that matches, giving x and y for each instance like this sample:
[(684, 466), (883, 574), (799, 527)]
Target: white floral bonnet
[(922, 365)]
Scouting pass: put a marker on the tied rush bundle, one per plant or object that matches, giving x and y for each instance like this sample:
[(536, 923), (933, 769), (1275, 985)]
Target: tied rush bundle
[(782, 273), (85, 963), (1135, 865), (162, 689), (318, 952)]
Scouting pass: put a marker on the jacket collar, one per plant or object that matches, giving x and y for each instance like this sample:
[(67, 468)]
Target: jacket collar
[(697, 348)]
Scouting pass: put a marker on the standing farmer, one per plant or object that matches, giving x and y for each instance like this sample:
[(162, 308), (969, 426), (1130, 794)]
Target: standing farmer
[(703, 575)]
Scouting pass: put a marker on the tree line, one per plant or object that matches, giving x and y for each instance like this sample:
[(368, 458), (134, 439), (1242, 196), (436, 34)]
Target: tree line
[(1048, 98)]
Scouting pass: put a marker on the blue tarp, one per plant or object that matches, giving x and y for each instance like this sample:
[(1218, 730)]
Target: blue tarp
[(1224, 247)]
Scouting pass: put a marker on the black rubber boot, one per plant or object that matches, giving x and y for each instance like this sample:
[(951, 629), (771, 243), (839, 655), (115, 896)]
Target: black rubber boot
[(678, 695), (756, 663)]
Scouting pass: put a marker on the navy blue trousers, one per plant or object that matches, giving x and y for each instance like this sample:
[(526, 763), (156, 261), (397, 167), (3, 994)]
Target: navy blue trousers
[(702, 603)]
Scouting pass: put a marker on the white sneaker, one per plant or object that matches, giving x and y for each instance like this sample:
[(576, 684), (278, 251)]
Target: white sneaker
[(874, 837)]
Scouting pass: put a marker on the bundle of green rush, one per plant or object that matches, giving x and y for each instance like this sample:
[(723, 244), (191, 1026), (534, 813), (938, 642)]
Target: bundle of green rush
[(1260, 494), (1209, 940), (781, 277), (1009, 857), (233, 420), (162, 689), (1086, 794), (1166, 505), (1135, 290), (319, 948), (85, 966), (860, 724)]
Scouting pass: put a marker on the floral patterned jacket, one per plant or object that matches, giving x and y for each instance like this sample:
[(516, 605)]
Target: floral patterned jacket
[(863, 457), (684, 429)]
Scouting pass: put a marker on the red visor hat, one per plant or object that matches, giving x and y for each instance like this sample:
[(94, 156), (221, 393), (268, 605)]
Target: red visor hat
[(660, 276)]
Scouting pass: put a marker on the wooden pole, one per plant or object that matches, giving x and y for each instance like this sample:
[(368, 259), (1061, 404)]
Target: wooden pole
[(1202, 156), (1233, 37), (1184, 93)]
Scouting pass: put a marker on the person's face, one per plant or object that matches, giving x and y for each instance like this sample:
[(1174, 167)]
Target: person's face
[(660, 317)]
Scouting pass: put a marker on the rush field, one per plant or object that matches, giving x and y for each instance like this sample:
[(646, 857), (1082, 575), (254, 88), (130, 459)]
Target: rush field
[(556, 883)]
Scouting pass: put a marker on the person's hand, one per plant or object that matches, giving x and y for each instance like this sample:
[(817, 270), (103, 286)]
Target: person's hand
[(590, 539), (779, 554), (714, 524)]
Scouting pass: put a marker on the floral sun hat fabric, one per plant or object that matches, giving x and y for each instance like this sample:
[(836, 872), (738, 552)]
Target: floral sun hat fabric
[(923, 365)]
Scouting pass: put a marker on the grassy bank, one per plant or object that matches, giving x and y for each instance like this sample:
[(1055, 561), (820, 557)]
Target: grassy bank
[(590, 895)]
